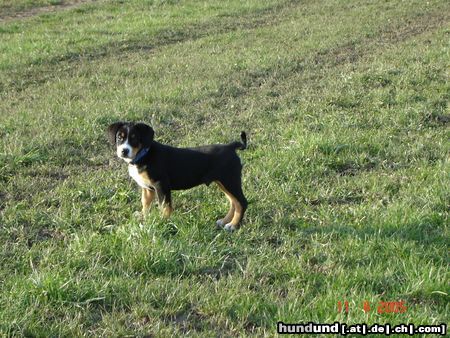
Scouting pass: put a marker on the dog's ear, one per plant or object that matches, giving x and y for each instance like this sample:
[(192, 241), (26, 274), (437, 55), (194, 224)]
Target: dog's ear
[(146, 134), (112, 131)]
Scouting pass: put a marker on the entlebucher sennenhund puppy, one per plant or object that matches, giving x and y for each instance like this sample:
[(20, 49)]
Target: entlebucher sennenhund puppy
[(159, 168)]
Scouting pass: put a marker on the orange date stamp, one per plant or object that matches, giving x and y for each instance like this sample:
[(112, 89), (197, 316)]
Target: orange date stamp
[(381, 307)]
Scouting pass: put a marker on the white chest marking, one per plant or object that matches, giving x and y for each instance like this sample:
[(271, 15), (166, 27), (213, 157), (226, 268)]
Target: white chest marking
[(140, 178)]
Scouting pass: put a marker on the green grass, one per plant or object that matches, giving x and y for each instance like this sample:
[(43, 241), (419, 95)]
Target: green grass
[(346, 108), (24, 7)]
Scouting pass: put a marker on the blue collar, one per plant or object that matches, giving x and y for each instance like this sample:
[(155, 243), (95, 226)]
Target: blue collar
[(140, 156)]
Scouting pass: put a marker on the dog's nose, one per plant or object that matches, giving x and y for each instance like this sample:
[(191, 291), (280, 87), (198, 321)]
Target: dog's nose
[(125, 152)]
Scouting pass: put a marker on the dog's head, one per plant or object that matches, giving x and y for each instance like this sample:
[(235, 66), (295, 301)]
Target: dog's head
[(129, 138)]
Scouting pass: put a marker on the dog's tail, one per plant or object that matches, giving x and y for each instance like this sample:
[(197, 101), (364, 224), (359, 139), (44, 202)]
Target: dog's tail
[(240, 145)]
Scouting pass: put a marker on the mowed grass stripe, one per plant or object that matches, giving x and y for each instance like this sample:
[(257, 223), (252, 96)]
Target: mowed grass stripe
[(254, 76), (148, 27), (225, 22), (22, 9)]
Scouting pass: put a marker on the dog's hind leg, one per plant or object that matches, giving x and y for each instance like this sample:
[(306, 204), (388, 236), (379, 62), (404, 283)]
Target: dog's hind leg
[(232, 188), (229, 216)]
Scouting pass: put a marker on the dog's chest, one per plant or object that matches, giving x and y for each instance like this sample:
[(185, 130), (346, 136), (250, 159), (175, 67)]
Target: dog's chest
[(141, 178)]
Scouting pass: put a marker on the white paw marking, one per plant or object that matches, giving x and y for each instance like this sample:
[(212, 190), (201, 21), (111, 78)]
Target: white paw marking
[(220, 223), (229, 227)]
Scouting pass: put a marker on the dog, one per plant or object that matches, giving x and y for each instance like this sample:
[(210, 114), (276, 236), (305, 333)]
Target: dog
[(159, 168)]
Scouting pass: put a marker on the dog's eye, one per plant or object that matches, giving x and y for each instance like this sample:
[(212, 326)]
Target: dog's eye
[(132, 136), (119, 137)]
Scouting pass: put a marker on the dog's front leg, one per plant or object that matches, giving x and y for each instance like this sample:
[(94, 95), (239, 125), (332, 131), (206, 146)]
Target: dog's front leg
[(147, 199), (164, 198)]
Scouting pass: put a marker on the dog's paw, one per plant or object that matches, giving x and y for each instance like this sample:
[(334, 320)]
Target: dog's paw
[(220, 223), (229, 227), (138, 215)]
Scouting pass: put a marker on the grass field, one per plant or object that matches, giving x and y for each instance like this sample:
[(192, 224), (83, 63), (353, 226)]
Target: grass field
[(347, 173)]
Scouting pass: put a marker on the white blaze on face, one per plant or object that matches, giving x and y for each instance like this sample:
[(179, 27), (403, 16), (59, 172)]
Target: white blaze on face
[(127, 144), (128, 149)]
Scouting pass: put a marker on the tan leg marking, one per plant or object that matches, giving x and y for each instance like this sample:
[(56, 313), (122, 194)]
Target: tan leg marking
[(237, 215), (147, 199), (234, 215), (229, 216), (167, 210)]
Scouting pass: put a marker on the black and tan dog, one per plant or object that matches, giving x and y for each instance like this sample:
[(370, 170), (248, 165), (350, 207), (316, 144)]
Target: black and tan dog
[(159, 168)]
